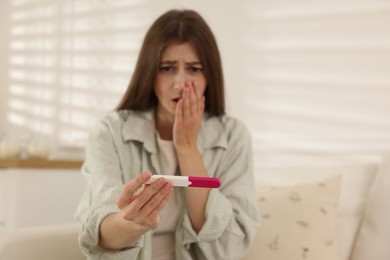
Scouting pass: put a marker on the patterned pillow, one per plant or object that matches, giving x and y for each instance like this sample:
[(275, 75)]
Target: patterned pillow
[(298, 222)]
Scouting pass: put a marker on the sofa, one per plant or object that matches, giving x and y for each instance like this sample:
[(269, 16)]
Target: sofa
[(52, 242), (324, 208), (321, 208)]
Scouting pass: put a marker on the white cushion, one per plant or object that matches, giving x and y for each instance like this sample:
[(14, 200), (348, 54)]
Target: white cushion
[(373, 240), (298, 222)]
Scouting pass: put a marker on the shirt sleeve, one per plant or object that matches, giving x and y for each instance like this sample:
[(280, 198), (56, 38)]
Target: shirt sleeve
[(231, 212), (104, 183)]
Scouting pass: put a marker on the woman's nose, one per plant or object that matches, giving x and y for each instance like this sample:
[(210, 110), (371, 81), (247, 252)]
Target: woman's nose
[(180, 80)]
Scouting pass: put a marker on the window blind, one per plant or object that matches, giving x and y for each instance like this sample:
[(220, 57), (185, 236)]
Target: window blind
[(70, 62), (317, 75)]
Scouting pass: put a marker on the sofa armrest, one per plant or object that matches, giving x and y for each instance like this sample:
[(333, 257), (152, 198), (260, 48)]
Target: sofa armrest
[(40, 243)]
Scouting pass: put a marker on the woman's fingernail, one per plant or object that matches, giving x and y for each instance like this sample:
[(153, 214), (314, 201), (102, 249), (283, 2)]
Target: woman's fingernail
[(146, 175)]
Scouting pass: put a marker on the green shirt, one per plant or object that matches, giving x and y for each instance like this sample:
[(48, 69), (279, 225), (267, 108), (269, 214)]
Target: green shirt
[(123, 144)]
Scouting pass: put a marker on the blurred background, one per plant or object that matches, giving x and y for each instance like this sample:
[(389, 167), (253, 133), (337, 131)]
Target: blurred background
[(311, 80), (307, 76)]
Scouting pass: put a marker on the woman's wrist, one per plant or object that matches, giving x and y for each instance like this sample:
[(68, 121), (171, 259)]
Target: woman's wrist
[(187, 150), (118, 233)]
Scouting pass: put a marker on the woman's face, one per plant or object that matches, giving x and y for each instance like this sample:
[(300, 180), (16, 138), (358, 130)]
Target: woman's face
[(179, 65)]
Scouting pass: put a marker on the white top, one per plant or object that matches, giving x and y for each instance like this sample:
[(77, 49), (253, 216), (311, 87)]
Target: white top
[(163, 240)]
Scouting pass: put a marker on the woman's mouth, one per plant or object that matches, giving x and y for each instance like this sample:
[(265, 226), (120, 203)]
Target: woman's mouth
[(175, 100)]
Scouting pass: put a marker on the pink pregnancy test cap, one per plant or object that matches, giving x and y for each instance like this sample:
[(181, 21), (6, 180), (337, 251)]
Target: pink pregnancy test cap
[(204, 182)]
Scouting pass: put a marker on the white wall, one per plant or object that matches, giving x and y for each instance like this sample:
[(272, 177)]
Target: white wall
[(4, 52)]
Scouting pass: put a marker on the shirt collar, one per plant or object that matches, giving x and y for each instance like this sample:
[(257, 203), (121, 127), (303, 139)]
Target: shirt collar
[(139, 126)]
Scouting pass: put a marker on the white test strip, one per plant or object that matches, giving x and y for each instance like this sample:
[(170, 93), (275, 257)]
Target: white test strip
[(177, 181)]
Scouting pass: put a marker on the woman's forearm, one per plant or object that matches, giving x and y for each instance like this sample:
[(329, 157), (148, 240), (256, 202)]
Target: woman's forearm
[(191, 164)]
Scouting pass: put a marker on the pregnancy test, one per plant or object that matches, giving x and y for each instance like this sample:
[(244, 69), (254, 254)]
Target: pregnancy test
[(188, 181)]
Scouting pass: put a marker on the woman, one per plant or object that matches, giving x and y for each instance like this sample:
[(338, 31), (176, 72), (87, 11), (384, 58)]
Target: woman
[(171, 121)]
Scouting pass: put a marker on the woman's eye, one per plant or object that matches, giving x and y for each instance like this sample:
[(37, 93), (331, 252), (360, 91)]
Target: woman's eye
[(195, 69), (166, 68)]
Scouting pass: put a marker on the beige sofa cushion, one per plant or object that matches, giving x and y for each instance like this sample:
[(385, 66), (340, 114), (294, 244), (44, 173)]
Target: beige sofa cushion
[(298, 222)]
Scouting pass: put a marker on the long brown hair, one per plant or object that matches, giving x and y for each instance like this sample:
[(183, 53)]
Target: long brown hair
[(176, 26)]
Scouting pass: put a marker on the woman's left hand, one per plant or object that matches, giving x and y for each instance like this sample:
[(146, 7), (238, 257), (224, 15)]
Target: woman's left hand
[(188, 116)]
